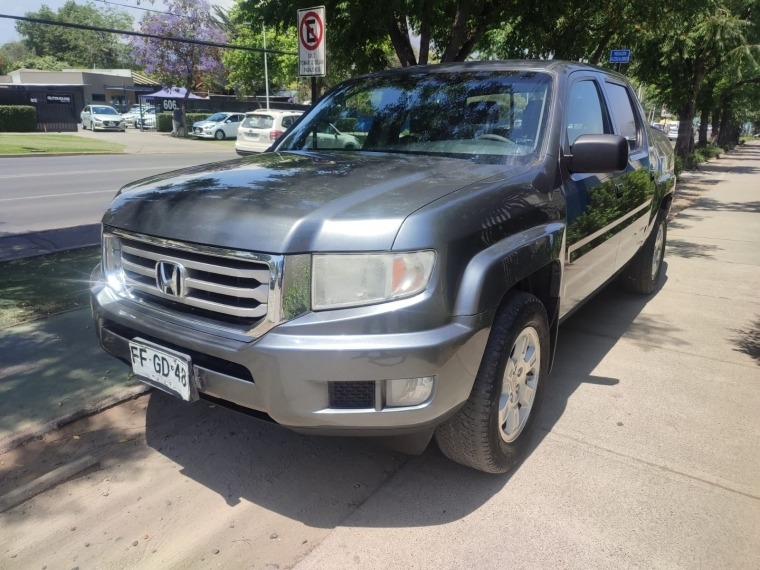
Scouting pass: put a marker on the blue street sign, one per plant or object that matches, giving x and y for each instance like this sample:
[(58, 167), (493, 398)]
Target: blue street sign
[(620, 56)]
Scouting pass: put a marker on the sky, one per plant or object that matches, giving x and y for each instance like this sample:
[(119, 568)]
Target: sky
[(21, 7)]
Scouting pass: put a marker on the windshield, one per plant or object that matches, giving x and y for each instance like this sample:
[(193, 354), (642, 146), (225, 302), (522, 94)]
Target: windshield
[(217, 118), (492, 115), (104, 111)]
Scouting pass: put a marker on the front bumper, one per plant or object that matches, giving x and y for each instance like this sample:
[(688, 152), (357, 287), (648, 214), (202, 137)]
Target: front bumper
[(289, 372)]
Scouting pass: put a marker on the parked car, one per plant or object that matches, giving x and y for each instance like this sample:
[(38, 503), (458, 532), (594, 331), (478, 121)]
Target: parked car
[(102, 118), (218, 126), (147, 121), (131, 116), (261, 128), (328, 136), (672, 131), (411, 287)]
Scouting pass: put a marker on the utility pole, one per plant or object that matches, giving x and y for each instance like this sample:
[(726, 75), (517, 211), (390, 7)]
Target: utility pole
[(266, 70)]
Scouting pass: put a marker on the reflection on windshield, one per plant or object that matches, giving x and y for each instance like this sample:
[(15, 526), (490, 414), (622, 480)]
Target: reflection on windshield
[(495, 115), (104, 111)]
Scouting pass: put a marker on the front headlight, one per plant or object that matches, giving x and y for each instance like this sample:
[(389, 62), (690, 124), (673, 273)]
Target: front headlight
[(111, 263), (352, 280)]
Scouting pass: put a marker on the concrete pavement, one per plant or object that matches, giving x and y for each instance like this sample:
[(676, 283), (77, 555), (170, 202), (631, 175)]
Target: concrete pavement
[(647, 452)]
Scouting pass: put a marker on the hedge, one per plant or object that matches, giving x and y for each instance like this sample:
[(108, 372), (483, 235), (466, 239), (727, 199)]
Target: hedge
[(18, 118), (165, 121)]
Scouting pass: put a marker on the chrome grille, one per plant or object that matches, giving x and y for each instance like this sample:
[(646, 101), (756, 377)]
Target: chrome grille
[(214, 285)]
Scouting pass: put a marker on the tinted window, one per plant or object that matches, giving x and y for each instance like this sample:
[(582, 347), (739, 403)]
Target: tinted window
[(217, 117), (494, 116), (623, 113), (584, 111), (287, 121)]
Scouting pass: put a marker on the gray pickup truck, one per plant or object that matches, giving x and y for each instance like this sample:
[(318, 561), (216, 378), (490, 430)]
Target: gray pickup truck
[(409, 284)]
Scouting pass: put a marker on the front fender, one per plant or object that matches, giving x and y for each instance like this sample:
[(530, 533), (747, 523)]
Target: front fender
[(495, 270)]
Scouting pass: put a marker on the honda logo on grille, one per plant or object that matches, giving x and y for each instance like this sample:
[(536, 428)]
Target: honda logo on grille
[(170, 278)]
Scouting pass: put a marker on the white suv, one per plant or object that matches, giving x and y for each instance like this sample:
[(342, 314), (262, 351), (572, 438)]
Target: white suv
[(261, 128)]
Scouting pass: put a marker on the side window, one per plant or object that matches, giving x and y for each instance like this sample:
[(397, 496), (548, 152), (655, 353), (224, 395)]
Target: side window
[(622, 111), (584, 111)]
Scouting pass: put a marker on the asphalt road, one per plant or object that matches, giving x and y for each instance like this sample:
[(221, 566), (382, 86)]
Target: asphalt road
[(45, 193)]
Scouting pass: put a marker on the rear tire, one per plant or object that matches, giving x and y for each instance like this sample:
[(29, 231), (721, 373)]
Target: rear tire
[(642, 274), (490, 430)]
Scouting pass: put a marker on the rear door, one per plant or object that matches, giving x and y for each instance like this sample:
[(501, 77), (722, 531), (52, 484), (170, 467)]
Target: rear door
[(635, 187)]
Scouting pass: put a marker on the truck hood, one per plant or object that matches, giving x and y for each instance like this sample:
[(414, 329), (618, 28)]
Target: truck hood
[(292, 202)]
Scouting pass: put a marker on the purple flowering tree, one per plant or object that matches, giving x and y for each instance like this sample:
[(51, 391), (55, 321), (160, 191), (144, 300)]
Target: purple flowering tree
[(178, 64)]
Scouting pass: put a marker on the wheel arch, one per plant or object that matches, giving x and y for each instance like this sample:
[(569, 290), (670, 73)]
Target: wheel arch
[(529, 261)]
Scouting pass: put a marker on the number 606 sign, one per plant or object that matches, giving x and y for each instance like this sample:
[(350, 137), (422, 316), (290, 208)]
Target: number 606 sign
[(170, 104)]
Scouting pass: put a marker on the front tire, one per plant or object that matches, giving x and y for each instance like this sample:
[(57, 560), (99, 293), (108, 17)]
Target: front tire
[(491, 429), (219, 135), (643, 272)]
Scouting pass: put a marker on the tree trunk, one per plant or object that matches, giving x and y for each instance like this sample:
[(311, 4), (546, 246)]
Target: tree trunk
[(725, 134), (427, 16), (716, 124), (685, 142), (703, 122), (399, 33)]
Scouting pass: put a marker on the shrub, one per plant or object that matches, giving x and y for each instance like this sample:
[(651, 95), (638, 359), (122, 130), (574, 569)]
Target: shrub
[(678, 166), (164, 121), (18, 118)]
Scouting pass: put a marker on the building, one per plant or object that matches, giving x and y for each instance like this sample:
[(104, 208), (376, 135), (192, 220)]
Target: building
[(60, 96)]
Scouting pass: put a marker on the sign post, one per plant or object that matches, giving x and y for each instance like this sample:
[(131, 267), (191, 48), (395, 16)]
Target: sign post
[(311, 46)]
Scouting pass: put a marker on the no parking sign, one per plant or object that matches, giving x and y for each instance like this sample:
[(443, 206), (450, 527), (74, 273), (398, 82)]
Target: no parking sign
[(311, 42)]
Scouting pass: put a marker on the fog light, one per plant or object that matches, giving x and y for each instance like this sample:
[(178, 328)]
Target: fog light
[(408, 391)]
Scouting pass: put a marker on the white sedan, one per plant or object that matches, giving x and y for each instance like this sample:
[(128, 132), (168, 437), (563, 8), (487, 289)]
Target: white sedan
[(218, 126), (102, 118)]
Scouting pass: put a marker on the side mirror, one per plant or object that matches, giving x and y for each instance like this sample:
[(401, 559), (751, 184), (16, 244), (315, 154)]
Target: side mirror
[(598, 153)]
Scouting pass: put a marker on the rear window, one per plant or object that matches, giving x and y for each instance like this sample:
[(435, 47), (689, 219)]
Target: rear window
[(258, 122)]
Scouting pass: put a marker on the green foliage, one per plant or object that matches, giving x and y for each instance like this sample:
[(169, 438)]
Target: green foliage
[(164, 121), (246, 68), (80, 48), (18, 118), (43, 63), (678, 166)]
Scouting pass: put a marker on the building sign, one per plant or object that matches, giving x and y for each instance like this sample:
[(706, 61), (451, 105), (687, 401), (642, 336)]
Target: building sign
[(620, 56), (60, 99), (311, 42)]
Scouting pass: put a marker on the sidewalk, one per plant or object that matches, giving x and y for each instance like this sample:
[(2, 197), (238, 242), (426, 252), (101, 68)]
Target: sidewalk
[(647, 451), (52, 371)]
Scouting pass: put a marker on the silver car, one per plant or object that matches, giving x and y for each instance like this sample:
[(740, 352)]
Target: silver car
[(102, 118), (218, 126)]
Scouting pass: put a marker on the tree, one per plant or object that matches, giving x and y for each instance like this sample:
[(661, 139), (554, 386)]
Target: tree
[(174, 63), (79, 48), (245, 69), (681, 54), (366, 30)]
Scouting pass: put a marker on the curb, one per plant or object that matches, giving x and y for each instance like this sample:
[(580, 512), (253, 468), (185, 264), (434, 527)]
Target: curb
[(48, 481), (17, 439)]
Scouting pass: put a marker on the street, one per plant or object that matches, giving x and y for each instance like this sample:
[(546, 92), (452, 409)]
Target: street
[(45, 193)]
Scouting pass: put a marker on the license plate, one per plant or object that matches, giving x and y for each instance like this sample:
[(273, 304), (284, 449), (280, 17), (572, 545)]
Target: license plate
[(252, 135), (162, 368)]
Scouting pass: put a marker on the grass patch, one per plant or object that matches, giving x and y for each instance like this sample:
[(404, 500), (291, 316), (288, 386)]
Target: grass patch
[(17, 143), (38, 286)]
